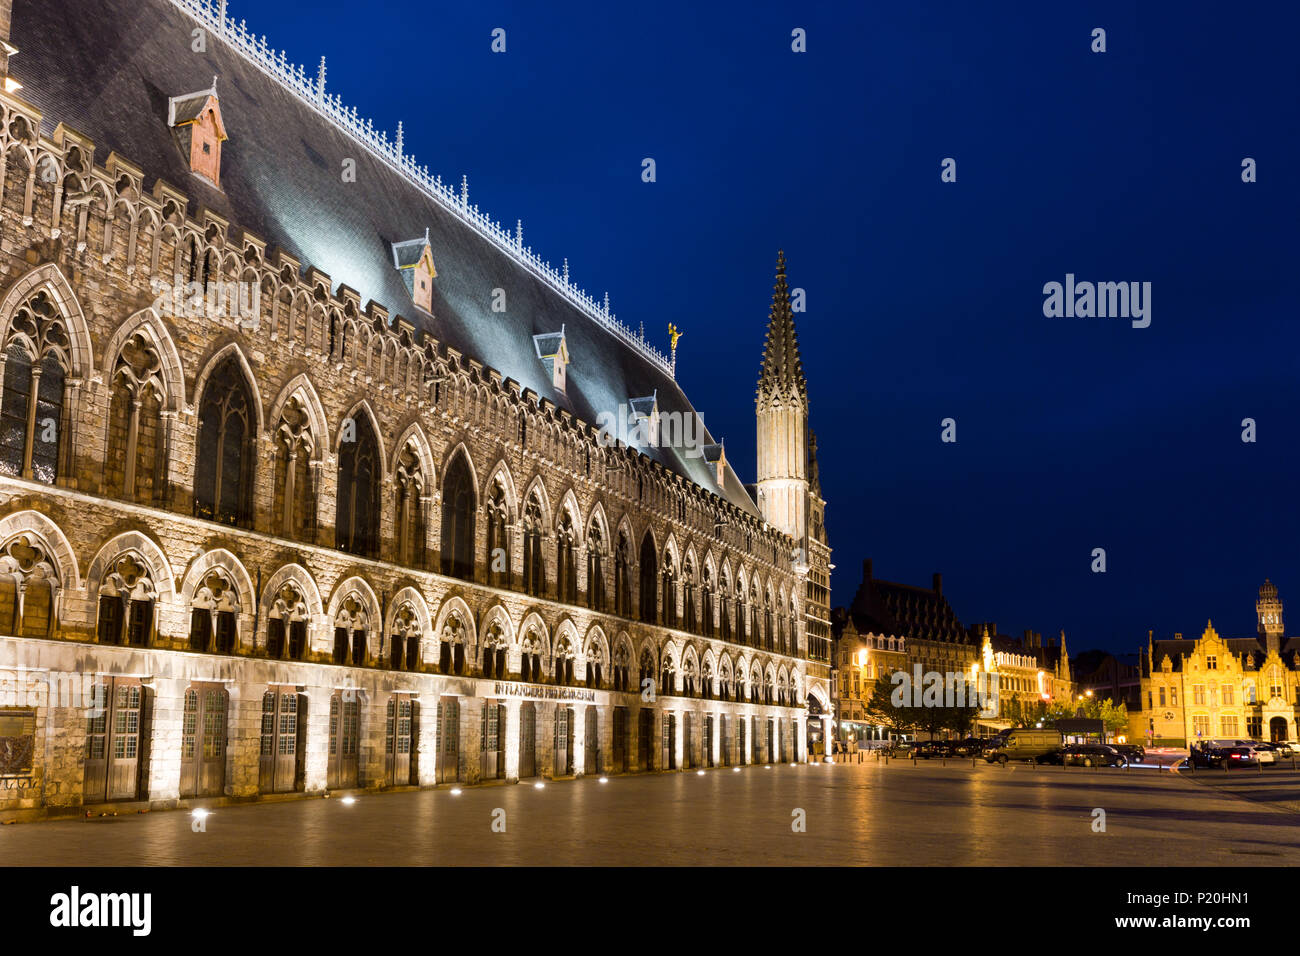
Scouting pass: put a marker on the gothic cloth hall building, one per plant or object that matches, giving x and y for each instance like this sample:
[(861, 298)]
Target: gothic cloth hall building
[(302, 485)]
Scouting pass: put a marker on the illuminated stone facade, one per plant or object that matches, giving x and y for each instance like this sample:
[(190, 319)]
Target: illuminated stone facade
[(278, 540)]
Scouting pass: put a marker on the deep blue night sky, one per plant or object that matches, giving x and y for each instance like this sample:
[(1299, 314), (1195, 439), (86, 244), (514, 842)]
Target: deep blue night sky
[(924, 298)]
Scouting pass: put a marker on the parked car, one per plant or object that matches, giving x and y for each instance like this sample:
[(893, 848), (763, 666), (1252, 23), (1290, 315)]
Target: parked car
[(1214, 758), (1265, 752), (1286, 749), (1134, 752), (1093, 755), (1025, 744), (899, 748), (933, 748), (969, 747)]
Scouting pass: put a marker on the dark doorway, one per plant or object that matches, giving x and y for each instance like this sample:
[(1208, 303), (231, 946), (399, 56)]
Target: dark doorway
[(342, 766), (620, 739), (203, 741), (527, 740), (563, 766), (591, 741), (492, 741), (400, 739), (645, 732), (448, 740), (284, 733), (116, 736)]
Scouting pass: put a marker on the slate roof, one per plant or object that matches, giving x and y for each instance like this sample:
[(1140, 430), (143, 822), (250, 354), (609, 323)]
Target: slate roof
[(108, 68), (1251, 647), (903, 610)]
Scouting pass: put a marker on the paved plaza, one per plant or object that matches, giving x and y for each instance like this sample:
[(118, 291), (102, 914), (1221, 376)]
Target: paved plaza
[(859, 814)]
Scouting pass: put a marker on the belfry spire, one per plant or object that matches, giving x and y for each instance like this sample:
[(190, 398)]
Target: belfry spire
[(782, 371)]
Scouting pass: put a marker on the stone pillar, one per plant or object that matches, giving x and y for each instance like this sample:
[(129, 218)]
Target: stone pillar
[(315, 761), (243, 739), (427, 741), (826, 734), (165, 725), (511, 730)]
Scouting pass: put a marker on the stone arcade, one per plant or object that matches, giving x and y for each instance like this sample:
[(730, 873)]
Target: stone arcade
[(327, 546)]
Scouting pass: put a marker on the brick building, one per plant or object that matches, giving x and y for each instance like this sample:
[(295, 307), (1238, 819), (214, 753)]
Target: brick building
[(306, 471)]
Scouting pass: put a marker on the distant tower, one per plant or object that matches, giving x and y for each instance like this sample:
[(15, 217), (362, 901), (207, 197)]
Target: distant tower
[(1269, 610), (789, 483), (782, 411)]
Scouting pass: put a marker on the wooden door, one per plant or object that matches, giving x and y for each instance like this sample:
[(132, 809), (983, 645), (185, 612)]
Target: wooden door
[(708, 740), (492, 758), (591, 741), (771, 740), (527, 740), (620, 739), (399, 740), (645, 731), (448, 740), (203, 741), (563, 765), (115, 738), (742, 757), (724, 740), (341, 769), (688, 741), (284, 724)]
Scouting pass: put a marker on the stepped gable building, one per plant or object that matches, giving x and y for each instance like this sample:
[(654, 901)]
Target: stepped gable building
[(1214, 687), (304, 482)]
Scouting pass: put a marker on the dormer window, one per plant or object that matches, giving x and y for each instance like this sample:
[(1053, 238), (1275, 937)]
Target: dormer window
[(645, 419), (716, 456), (414, 260), (553, 350), (200, 131)]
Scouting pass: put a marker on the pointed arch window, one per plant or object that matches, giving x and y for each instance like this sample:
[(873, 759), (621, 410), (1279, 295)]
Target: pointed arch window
[(498, 540), (688, 597), (350, 625), (534, 563), (411, 517), (623, 577), (286, 625), (530, 657), (223, 489), (32, 409), (706, 604), (134, 465), (647, 669), (451, 647), (458, 503), (564, 659), (356, 527), (622, 665), (214, 614), (294, 492), (724, 608), (595, 665), (670, 591), (566, 566), (126, 604), (404, 639), (595, 568), (494, 652), (649, 580)]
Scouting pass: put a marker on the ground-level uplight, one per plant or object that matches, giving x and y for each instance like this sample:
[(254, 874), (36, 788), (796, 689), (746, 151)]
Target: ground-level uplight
[(199, 814), (455, 791), (699, 773), (539, 785), (348, 801), (604, 779)]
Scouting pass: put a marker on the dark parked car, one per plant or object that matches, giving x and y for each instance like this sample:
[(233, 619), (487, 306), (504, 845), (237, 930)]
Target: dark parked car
[(933, 748), (970, 747), (1092, 755), (1134, 752), (1217, 757)]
